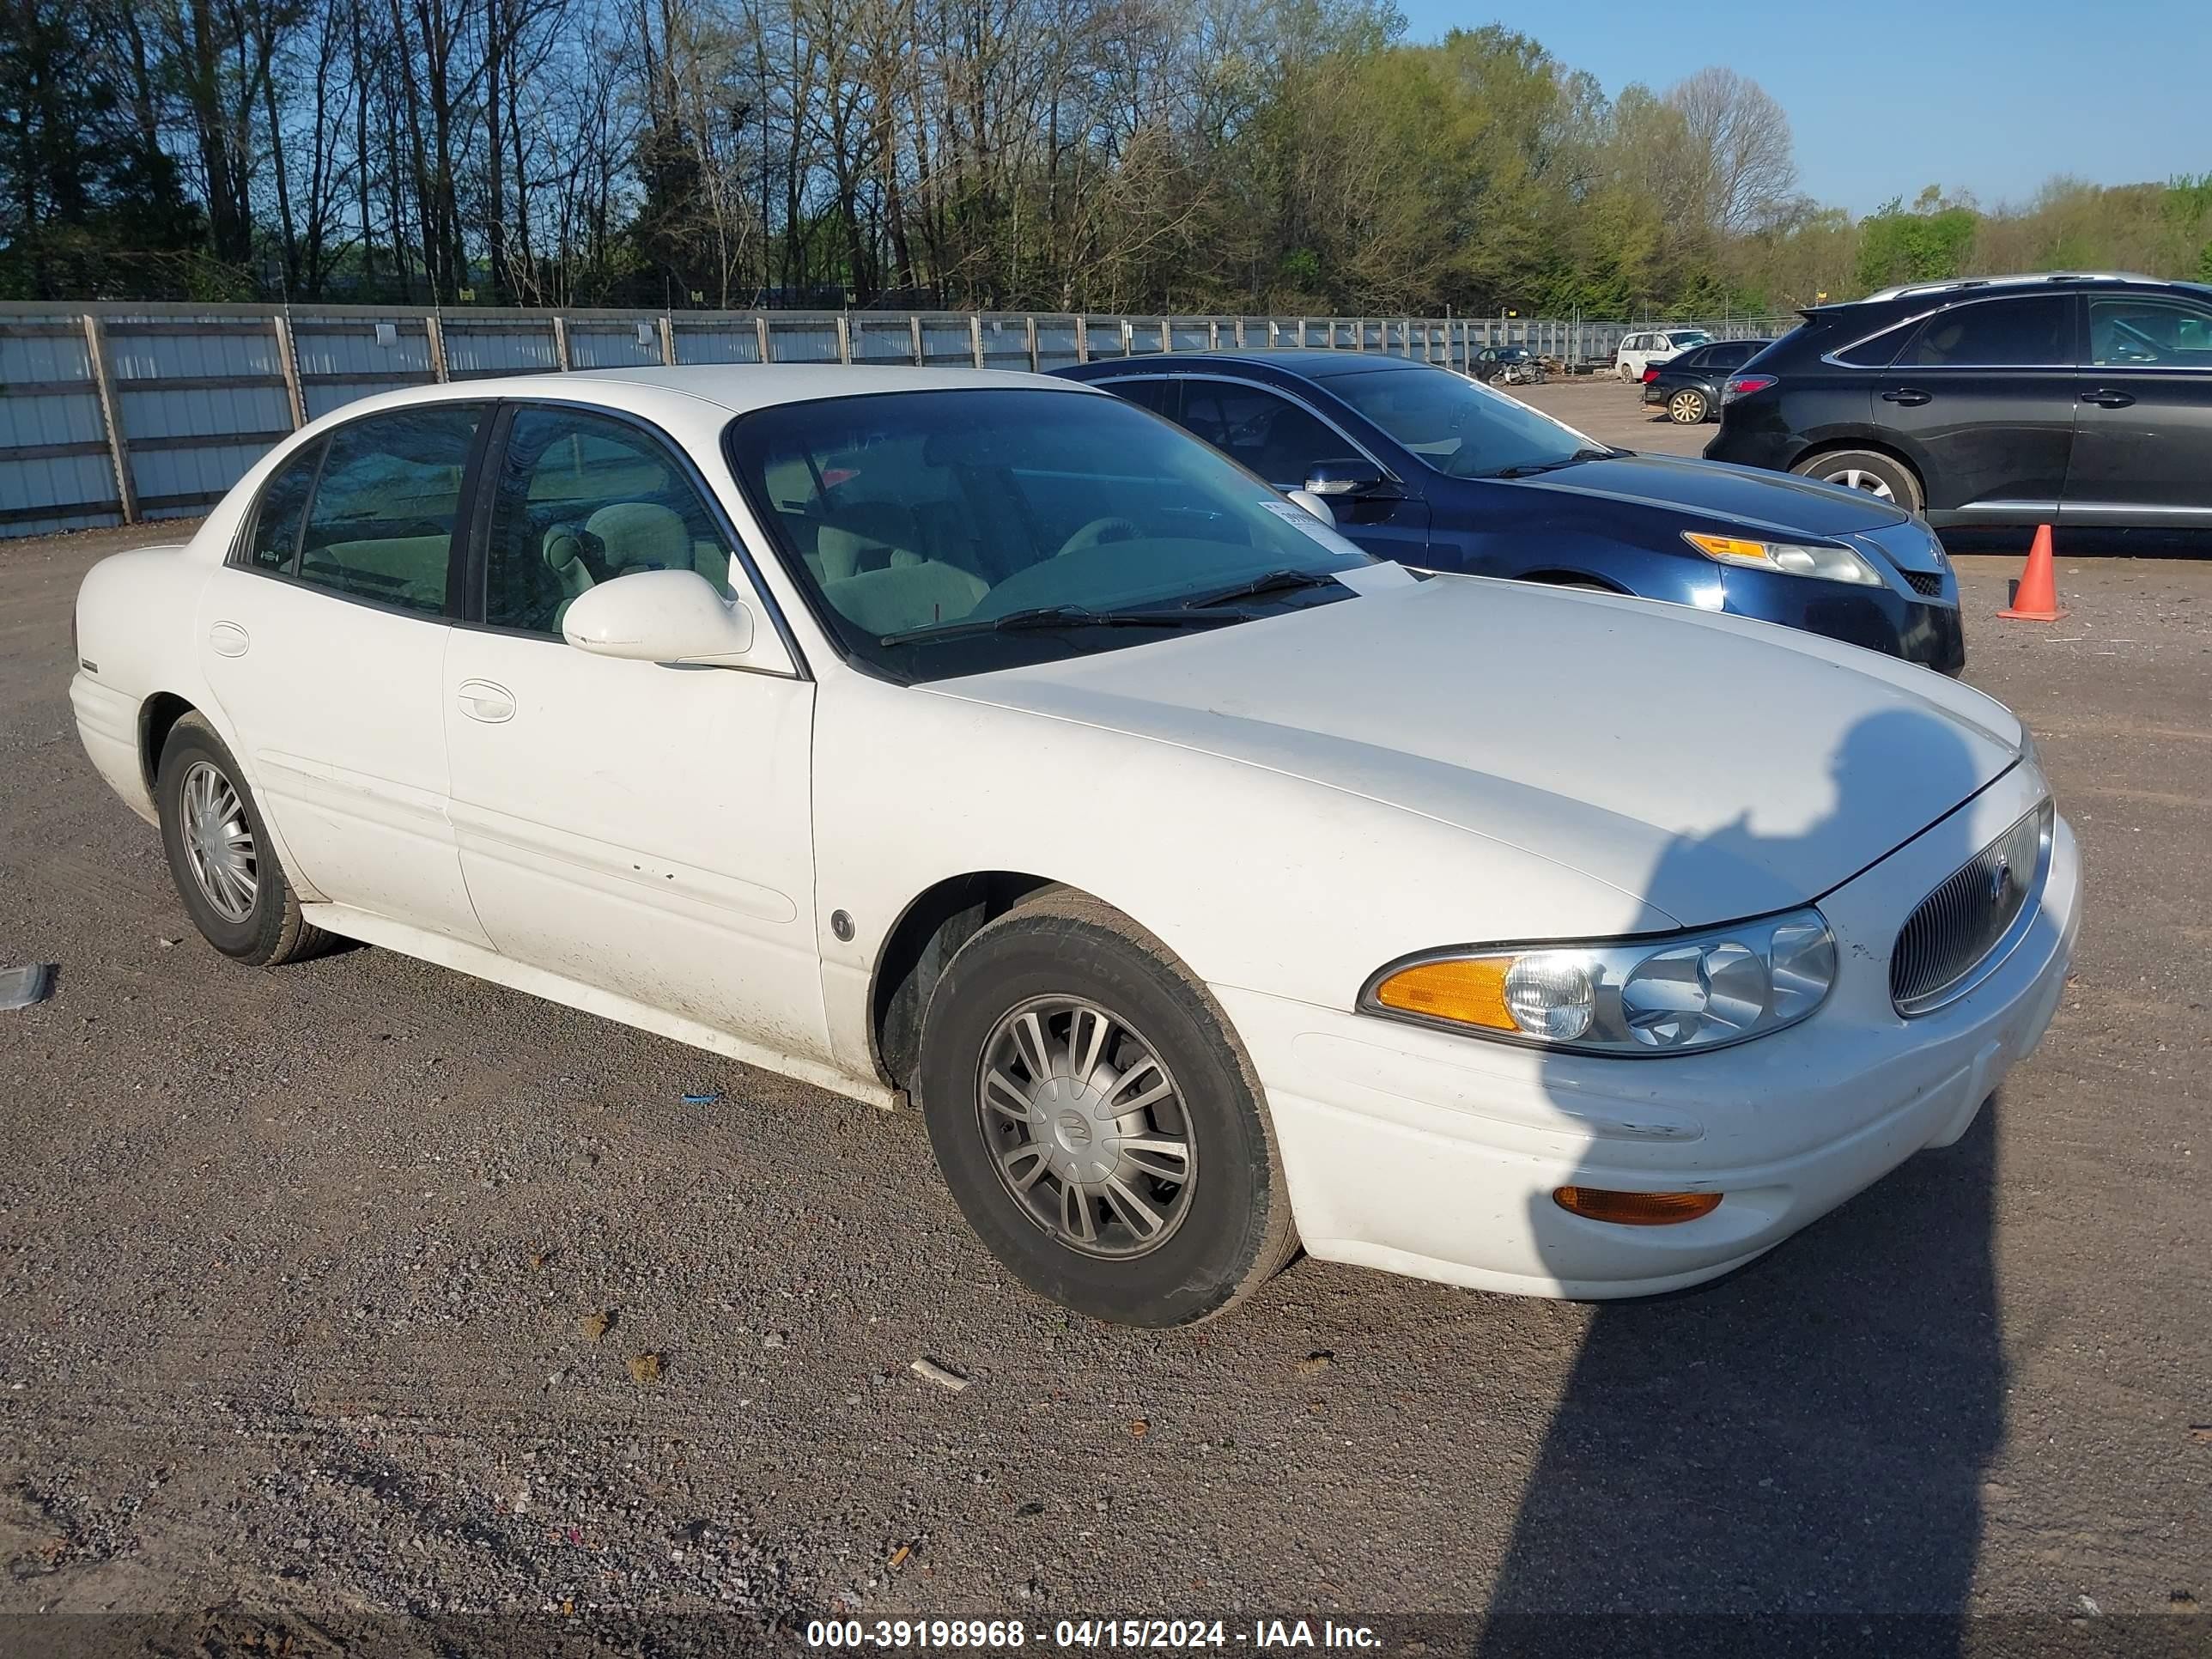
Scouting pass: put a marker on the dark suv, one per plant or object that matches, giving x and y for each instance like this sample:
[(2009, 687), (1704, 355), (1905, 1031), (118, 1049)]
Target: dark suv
[(1999, 401)]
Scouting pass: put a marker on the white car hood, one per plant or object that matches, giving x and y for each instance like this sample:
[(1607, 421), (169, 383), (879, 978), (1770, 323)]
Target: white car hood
[(1711, 767)]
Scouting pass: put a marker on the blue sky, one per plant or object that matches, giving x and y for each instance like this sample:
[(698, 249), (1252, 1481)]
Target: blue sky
[(1884, 96)]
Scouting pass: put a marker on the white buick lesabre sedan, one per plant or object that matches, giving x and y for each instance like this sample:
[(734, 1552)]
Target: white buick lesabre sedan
[(985, 740)]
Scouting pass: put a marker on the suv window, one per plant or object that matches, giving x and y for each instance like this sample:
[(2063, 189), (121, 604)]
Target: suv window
[(2129, 330), (275, 543), (581, 500), (1268, 434), (381, 526), (1879, 352), (1996, 334)]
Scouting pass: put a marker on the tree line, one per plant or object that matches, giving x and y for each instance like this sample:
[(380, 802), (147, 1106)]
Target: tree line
[(1296, 156)]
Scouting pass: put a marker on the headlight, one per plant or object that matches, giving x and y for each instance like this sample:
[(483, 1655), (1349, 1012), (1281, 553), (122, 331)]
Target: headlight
[(1632, 997), (1830, 564)]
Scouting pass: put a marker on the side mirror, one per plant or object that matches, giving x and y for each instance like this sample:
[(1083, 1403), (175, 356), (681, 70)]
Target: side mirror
[(661, 616), (1351, 479)]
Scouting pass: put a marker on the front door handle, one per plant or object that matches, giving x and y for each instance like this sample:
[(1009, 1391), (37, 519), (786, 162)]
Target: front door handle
[(2106, 397), (227, 639), (1910, 397), (481, 700)]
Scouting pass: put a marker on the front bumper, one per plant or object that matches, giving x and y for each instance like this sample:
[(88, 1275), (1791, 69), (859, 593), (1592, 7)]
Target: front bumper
[(1897, 623), (1435, 1155)]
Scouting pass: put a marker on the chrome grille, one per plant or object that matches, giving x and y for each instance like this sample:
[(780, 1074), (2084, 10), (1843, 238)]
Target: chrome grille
[(1959, 925), (1926, 583)]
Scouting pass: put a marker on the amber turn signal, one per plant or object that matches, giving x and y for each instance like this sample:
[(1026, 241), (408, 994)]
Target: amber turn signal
[(1635, 1209), (1470, 990)]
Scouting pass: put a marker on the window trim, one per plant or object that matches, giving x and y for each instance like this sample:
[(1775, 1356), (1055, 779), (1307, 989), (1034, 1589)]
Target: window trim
[(478, 569), (2066, 297), (239, 556)]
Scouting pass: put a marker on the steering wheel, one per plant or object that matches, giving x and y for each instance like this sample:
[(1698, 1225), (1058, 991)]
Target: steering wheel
[(1111, 528)]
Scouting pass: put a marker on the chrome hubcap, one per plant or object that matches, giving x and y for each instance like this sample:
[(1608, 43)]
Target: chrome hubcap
[(219, 843), (1087, 1127), (1852, 478)]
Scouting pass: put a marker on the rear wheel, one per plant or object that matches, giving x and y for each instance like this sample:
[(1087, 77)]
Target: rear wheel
[(1878, 475), (1097, 1122), (1688, 407), (219, 853)]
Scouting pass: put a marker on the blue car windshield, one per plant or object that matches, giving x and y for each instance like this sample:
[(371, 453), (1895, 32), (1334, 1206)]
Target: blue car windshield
[(1460, 428), (957, 531)]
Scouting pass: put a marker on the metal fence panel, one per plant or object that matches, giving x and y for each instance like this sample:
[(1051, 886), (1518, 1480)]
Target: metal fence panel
[(198, 392), (615, 345), (715, 343), (492, 348)]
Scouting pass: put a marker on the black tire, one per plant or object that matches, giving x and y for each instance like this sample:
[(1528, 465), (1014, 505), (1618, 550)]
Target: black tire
[(271, 930), (1235, 1230), (1865, 469), (1689, 407)]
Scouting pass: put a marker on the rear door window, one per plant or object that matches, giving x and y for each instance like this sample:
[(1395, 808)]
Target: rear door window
[(1155, 393), (1269, 433), (381, 526), (2023, 333)]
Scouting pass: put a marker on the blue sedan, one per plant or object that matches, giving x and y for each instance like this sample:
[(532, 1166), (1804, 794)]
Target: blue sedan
[(1423, 466)]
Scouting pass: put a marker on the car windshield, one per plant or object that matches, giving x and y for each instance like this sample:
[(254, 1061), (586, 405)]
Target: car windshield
[(953, 532), (1689, 337), (1460, 428)]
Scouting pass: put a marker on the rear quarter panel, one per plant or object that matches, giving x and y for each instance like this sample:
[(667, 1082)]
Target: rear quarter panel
[(134, 614)]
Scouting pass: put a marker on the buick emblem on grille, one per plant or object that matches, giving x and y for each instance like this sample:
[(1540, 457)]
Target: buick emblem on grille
[(1999, 884)]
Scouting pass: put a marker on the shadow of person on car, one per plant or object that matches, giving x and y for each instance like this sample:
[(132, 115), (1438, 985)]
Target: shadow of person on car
[(1807, 1436)]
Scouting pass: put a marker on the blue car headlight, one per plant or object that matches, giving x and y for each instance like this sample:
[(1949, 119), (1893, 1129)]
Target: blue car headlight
[(1825, 560)]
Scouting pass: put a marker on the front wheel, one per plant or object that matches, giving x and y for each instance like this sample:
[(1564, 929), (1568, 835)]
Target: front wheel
[(1868, 471), (1096, 1121), (1688, 407)]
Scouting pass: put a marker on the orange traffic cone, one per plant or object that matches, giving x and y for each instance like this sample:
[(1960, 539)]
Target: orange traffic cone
[(2035, 596)]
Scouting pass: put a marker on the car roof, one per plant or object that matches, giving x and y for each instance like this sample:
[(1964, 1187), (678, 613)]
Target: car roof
[(1311, 362), (1941, 292), (699, 396)]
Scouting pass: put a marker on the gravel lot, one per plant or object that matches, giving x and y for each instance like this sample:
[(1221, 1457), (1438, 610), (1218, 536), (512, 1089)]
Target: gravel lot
[(301, 1272)]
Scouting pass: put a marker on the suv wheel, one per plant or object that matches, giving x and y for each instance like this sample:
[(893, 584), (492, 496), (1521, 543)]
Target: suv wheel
[(1868, 470), (1095, 1120)]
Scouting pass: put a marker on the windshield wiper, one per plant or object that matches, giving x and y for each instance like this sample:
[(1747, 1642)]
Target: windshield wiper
[(1530, 469), (1273, 581), (1048, 617)]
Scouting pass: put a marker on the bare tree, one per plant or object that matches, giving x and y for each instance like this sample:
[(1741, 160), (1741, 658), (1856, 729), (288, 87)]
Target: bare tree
[(1739, 148)]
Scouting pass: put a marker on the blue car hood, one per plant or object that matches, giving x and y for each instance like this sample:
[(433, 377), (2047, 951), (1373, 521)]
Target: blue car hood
[(1711, 489)]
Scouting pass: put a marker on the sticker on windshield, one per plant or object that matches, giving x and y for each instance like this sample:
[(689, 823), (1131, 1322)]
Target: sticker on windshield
[(1299, 520)]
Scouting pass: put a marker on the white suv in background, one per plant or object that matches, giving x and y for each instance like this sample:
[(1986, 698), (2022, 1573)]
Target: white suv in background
[(1639, 351)]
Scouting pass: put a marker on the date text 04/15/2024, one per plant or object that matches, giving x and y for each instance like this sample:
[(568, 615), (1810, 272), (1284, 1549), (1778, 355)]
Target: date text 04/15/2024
[(1261, 1635)]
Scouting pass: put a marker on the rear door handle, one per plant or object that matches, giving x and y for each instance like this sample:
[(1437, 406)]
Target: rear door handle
[(481, 700), (1910, 397), (2106, 397)]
